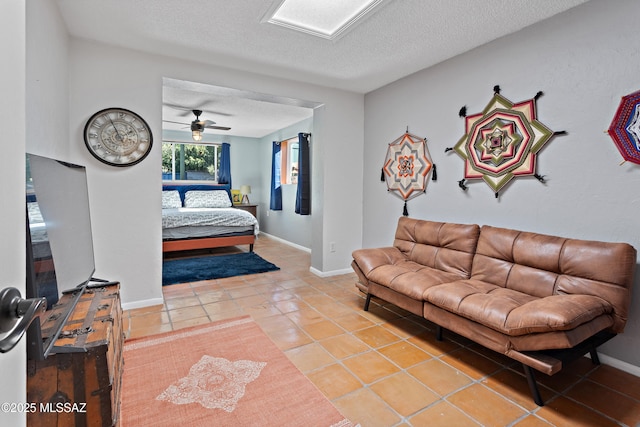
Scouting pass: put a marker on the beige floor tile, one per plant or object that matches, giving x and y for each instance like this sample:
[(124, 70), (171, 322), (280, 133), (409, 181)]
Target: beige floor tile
[(600, 398), (532, 421), (404, 394), (345, 345), (186, 313), (370, 367), (404, 328), (366, 408), (567, 413), (440, 377), (485, 406), (377, 336), (150, 330), (427, 342), (514, 386), (618, 380), (310, 357), (261, 311), (442, 414), (471, 363), (305, 316), (149, 319), (334, 381), (404, 354), (174, 303), (213, 296), (190, 322), (323, 329), (220, 307), (286, 339), (353, 321), (290, 305)]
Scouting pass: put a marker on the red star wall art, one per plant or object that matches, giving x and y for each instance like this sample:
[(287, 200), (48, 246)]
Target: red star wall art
[(625, 127), (501, 143)]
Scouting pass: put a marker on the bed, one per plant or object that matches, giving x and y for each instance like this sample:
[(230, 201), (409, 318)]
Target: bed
[(201, 216)]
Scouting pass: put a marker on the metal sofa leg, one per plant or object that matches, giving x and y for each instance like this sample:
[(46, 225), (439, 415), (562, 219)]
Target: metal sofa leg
[(438, 333), (533, 386), (366, 303), (594, 357)]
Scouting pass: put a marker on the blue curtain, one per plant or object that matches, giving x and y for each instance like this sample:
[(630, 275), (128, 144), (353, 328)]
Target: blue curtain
[(224, 174), (276, 186), (303, 195)]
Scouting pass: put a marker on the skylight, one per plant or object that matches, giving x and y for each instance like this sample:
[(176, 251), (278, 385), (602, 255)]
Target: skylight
[(327, 18)]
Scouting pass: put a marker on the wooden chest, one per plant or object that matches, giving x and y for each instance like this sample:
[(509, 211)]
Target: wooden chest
[(78, 384)]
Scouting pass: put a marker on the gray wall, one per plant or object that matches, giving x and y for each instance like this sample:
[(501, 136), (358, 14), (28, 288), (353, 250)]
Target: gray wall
[(284, 224), (583, 61)]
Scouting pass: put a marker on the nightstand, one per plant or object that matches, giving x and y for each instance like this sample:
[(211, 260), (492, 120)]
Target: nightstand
[(249, 207)]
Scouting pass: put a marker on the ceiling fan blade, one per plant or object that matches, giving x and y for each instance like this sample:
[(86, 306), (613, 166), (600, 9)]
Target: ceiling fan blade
[(218, 127), (184, 111), (178, 123)]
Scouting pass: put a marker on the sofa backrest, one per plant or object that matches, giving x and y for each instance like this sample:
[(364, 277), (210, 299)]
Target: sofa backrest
[(446, 246), (542, 265)]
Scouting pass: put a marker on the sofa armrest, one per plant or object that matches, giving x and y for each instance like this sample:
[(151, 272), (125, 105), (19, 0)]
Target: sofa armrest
[(371, 258)]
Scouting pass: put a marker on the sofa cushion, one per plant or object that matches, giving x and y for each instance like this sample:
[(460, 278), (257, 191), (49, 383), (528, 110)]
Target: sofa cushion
[(410, 278), (540, 265), (447, 247), (516, 313)]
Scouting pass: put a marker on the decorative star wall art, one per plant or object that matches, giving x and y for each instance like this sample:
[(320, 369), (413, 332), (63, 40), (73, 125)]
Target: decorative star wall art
[(501, 143), (625, 128), (407, 166)]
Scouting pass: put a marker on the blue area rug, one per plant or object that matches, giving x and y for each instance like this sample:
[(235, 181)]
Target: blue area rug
[(213, 267)]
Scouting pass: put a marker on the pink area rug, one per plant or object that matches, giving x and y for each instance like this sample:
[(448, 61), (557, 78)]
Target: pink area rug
[(226, 373)]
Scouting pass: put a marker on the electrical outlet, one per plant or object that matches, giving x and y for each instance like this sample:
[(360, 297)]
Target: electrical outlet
[(332, 247)]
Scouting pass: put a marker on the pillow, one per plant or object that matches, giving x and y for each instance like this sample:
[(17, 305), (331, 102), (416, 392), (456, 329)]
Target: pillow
[(207, 199), (171, 199)]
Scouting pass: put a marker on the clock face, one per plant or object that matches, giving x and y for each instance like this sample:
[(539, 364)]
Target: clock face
[(118, 137)]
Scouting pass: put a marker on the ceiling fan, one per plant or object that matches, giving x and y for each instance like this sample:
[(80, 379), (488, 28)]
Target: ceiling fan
[(198, 126)]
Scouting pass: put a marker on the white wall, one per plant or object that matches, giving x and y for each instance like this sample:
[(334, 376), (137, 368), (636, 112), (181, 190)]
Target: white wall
[(12, 122), (125, 202), (583, 61)]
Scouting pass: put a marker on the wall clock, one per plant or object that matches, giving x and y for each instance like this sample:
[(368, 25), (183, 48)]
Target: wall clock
[(118, 137)]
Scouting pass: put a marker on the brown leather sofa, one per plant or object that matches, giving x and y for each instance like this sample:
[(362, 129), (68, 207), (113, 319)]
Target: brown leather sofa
[(541, 300)]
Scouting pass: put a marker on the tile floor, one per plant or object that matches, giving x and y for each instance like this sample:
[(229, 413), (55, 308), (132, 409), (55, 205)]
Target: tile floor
[(384, 367)]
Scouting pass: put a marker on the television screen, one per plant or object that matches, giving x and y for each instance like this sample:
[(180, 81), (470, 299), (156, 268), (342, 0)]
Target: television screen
[(60, 244)]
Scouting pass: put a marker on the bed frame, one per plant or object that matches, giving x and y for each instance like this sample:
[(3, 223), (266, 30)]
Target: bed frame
[(207, 243), (204, 242)]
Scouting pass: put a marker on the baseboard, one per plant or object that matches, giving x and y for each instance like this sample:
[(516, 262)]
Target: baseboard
[(142, 304), (286, 242), (330, 273), (619, 364)]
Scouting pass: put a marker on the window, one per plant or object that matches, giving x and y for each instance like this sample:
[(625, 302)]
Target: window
[(289, 161), (192, 162)]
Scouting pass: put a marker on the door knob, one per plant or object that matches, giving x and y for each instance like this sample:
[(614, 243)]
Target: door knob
[(16, 314)]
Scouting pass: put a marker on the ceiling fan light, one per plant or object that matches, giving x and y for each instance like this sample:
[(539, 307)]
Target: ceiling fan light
[(196, 135)]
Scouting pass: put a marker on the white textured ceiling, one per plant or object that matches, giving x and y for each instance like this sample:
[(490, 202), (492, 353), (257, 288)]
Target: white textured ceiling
[(398, 39)]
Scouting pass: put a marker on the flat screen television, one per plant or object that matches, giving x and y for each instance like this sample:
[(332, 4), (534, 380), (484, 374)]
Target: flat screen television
[(59, 238)]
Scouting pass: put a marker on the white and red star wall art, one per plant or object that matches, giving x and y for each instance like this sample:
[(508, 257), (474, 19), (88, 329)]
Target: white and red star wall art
[(501, 142), (406, 168), (625, 128)]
